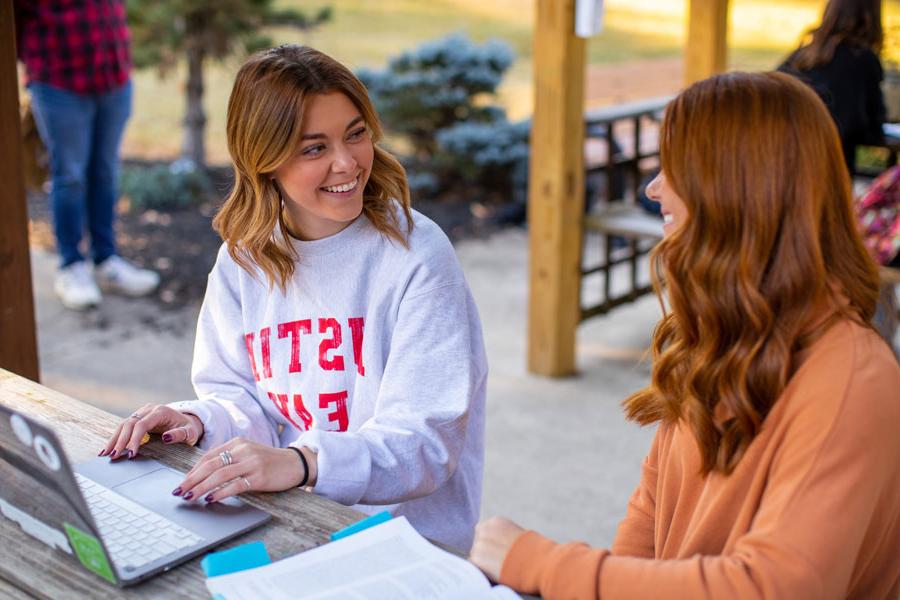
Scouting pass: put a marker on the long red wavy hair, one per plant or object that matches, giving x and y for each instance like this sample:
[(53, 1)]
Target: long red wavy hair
[(770, 240)]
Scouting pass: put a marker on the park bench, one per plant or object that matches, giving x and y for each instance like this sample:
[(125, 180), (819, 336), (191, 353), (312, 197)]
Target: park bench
[(628, 232)]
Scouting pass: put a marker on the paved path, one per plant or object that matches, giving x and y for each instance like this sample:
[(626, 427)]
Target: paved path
[(560, 457)]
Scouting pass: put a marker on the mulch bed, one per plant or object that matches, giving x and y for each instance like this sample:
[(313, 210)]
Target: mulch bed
[(181, 245)]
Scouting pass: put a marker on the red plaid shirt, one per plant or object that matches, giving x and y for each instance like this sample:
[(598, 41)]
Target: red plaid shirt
[(78, 45)]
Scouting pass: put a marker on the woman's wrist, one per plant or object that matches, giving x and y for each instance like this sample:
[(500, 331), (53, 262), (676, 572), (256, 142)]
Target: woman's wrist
[(312, 462), (307, 465)]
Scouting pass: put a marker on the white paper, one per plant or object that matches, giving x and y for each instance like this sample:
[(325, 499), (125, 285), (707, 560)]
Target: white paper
[(588, 17), (390, 561)]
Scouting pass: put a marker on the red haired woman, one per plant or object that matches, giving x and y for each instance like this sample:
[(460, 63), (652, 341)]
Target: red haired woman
[(775, 470)]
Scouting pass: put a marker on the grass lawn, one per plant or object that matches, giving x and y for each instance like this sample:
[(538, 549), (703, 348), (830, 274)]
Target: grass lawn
[(368, 32)]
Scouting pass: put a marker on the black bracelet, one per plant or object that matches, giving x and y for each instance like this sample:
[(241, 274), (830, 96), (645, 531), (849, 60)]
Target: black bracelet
[(305, 465)]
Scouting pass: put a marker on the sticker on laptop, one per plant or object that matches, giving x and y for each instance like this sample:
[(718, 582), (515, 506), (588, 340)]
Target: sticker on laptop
[(35, 527), (90, 552), (47, 453), (21, 429), (44, 449)]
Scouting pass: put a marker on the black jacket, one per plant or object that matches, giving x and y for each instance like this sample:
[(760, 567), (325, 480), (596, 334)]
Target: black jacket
[(850, 86)]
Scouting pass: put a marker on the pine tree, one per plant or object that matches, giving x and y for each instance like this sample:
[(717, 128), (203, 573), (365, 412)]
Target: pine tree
[(167, 31)]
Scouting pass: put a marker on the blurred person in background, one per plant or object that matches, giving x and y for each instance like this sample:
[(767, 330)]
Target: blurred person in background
[(839, 60), (77, 66)]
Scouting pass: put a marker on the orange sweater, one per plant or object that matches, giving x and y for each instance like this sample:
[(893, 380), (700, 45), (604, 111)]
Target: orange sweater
[(811, 511)]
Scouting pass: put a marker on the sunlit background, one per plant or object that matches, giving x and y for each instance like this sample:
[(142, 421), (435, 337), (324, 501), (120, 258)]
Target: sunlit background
[(637, 54)]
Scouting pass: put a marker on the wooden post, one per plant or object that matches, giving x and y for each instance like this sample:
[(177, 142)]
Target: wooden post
[(707, 41), (555, 189), (18, 343)]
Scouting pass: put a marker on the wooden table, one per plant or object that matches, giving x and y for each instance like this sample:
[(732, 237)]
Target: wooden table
[(29, 568)]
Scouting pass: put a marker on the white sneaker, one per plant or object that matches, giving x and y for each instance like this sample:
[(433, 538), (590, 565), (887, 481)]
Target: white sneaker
[(76, 287), (115, 274)]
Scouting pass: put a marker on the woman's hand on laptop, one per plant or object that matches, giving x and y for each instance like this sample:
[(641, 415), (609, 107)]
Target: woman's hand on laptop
[(241, 466), (175, 427)]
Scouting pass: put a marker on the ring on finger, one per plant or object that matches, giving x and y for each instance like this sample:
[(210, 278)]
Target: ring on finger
[(246, 482), (135, 416), (226, 458)]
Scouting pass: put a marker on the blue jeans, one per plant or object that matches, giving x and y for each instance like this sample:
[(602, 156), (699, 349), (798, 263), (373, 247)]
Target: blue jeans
[(82, 133)]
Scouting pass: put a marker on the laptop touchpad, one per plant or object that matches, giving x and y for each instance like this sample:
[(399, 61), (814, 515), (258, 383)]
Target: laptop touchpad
[(154, 491)]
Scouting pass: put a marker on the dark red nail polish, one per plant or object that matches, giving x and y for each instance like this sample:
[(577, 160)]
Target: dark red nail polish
[(167, 437), (131, 454), (176, 491), (189, 495), (102, 452), (112, 454), (208, 498)]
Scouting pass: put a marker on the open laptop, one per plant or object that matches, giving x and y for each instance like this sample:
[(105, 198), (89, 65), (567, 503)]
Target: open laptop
[(119, 520)]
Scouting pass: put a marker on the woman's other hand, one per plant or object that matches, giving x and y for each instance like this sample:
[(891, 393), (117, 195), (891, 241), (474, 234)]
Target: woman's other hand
[(493, 539), (175, 427), (241, 466)]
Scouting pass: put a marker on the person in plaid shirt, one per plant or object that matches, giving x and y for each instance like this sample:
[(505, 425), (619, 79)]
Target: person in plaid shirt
[(77, 66)]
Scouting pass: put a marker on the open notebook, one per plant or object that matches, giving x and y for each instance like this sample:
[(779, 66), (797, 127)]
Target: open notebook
[(390, 561)]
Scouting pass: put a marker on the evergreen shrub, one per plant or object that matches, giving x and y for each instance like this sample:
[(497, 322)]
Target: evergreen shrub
[(164, 186), (440, 98)]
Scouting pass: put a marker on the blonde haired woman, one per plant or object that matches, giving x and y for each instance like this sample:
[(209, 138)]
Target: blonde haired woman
[(338, 346), (775, 470)]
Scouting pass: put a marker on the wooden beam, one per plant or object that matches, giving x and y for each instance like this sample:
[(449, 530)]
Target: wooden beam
[(18, 343), (555, 189), (707, 42)]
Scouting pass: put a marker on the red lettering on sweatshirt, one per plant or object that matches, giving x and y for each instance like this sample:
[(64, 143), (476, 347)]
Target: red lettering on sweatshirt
[(294, 329), (281, 403), (302, 412), (248, 339), (339, 414), (326, 345), (356, 332), (264, 334), (331, 340)]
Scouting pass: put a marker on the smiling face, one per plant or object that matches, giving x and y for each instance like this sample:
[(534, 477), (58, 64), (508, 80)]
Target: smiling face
[(674, 211), (322, 183)]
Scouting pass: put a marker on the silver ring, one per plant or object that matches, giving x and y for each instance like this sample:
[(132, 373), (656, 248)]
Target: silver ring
[(135, 416), (226, 458), (246, 482)]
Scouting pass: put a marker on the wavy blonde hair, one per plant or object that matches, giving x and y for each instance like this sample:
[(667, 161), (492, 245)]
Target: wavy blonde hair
[(265, 116), (757, 161)]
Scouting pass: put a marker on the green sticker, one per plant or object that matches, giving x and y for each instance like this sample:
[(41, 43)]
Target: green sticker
[(90, 552)]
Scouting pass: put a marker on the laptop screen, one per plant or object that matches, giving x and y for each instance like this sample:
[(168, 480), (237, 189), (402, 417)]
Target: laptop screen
[(39, 492)]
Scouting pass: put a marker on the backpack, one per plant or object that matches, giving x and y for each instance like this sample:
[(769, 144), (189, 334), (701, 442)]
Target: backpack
[(878, 216)]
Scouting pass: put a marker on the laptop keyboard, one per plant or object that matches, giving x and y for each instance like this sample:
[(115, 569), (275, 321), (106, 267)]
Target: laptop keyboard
[(133, 535)]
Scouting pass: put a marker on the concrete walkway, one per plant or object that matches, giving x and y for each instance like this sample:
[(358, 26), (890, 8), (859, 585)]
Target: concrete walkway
[(560, 456)]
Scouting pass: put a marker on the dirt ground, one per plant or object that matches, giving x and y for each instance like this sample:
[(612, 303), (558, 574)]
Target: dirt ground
[(606, 85)]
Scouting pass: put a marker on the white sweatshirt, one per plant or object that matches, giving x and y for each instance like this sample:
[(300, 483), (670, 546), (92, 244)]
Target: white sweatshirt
[(373, 358)]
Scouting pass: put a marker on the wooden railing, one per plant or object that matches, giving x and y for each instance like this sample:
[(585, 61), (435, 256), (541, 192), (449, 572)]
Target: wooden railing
[(614, 213)]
